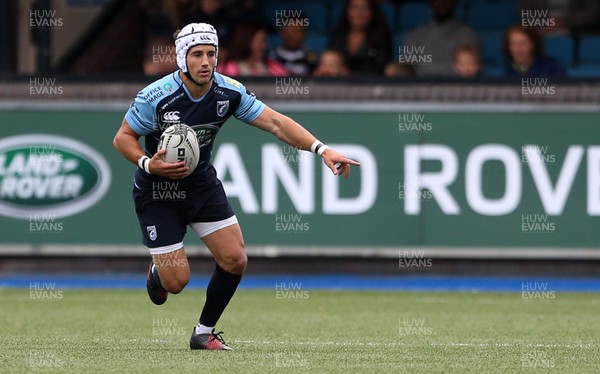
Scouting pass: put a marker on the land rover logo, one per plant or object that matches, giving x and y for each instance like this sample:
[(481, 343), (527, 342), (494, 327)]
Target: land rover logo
[(49, 174)]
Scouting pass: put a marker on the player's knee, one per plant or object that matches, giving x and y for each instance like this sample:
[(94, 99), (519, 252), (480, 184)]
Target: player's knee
[(235, 264)]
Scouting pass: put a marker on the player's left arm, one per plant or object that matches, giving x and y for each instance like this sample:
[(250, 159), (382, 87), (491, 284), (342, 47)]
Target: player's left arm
[(292, 133)]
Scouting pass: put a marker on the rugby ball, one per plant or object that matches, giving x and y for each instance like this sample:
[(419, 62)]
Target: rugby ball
[(181, 144)]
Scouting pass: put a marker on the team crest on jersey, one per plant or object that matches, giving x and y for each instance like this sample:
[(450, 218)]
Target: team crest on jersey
[(152, 234), (222, 107)]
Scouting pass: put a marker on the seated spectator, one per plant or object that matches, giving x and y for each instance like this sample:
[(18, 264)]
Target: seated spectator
[(438, 39), (467, 61), (363, 37), (396, 69), (291, 53), (213, 12), (331, 64), (524, 50), (577, 17), (162, 18), (247, 54), (159, 57)]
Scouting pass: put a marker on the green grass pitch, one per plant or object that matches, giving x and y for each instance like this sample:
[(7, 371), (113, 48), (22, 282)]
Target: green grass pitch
[(120, 331)]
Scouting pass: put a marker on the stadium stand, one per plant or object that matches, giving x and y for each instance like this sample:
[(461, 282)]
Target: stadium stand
[(492, 15), (561, 48), (411, 15)]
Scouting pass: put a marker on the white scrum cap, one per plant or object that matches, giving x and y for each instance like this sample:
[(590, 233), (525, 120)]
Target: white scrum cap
[(191, 35)]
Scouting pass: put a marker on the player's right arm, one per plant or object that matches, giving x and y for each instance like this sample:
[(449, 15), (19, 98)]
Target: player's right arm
[(126, 141)]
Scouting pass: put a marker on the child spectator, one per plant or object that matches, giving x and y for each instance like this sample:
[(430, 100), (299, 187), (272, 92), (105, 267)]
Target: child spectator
[(247, 54), (467, 61), (331, 64), (291, 53)]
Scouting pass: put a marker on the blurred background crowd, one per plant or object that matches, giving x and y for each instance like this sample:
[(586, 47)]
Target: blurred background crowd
[(324, 38)]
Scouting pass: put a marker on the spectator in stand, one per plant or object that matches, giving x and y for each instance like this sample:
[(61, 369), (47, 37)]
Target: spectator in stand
[(161, 19), (331, 64), (213, 12), (467, 61), (363, 37), (524, 50), (577, 17), (436, 41), (247, 54), (291, 52)]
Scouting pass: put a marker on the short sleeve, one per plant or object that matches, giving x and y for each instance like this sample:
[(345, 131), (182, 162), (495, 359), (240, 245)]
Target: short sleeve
[(141, 116)]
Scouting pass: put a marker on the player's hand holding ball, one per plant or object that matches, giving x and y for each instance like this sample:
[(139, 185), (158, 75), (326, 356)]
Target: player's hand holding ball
[(178, 153)]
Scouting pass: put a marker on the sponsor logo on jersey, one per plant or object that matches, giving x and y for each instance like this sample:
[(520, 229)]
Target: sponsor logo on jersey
[(152, 234), (205, 133), (168, 87), (50, 174), (222, 107), (171, 117)]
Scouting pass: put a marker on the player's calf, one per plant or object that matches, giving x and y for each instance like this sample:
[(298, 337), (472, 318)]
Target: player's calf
[(175, 284)]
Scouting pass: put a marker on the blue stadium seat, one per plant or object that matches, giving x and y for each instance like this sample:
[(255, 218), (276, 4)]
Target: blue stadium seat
[(492, 15), (589, 50), (397, 41), (389, 10), (316, 43), (413, 14), (273, 40), (490, 44), (584, 71), (562, 48), (316, 13), (493, 71)]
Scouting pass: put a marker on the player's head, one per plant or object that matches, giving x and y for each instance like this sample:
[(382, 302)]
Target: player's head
[(190, 36)]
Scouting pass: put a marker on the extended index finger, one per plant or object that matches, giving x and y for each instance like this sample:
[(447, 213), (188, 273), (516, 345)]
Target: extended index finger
[(345, 160)]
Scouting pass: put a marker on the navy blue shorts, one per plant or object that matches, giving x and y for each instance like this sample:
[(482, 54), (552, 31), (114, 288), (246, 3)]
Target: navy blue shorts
[(166, 208)]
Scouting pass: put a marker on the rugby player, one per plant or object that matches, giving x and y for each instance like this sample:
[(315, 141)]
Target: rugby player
[(198, 96)]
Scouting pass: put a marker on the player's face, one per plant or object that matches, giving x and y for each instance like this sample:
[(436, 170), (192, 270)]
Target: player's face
[(201, 60)]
